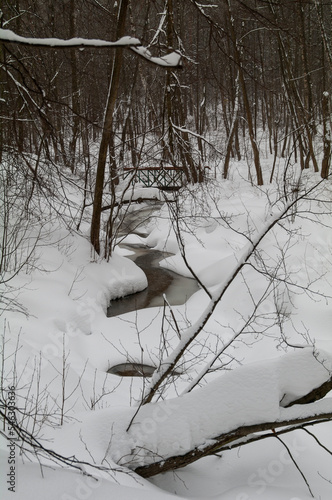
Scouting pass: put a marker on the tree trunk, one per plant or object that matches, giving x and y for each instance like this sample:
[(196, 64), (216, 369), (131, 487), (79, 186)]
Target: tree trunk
[(107, 131), (169, 93), (326, 137), (245, 99), (75, 98), (232, 129)]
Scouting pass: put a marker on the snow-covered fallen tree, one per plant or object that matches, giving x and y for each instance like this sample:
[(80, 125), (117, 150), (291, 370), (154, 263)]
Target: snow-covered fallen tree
[(239, 407), (276, 395)]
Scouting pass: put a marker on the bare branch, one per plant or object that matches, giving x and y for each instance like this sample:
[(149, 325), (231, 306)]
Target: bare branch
[(295, 463), (188, 336)]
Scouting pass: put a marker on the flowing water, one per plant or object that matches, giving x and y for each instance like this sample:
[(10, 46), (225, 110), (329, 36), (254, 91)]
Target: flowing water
[(177, 288)]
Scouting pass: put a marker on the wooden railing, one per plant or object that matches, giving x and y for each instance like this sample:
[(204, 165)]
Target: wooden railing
[(161, 177)]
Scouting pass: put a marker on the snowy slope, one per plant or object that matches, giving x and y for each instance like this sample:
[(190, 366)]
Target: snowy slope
[(66, 345)]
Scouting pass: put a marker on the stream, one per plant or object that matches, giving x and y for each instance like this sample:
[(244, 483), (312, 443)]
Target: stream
[(161, 281)]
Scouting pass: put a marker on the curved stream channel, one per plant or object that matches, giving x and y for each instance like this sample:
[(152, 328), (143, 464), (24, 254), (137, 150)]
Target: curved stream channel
[(177, 288)]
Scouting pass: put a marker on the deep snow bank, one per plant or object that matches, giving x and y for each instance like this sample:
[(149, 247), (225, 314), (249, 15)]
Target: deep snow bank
[(251, 394)]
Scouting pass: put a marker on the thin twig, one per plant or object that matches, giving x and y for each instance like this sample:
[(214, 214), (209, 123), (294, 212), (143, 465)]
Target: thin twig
[(295, 463)]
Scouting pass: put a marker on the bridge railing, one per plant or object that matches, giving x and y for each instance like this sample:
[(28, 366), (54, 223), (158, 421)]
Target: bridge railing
[(161, 177)]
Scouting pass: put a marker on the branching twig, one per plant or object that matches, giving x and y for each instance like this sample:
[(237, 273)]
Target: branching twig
[(295, 463)]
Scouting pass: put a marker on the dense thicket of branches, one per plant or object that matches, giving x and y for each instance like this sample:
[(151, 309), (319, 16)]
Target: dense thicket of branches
[(252, 70), (249, 66)]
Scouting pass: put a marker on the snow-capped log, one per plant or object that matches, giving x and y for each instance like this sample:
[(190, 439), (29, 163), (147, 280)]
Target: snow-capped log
[(251, 399), (239, 407), (171, 60)]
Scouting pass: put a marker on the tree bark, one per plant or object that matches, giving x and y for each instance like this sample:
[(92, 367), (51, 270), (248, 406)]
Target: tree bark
[(75, 99), (326, 137), (232, 129), (107, 131), (245, 99), (229, 440)]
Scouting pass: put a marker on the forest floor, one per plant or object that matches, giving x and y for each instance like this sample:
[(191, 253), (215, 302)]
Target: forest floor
[(59, 344)]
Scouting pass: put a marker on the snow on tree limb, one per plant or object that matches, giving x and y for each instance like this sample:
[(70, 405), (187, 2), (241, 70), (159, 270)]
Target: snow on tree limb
[(173, 433), (225, 441), (10, 36), (234, 408), (189, 335), (172, 60)]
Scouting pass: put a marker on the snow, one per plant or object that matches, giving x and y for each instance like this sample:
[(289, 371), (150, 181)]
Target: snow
[(66, 293), (246, 396), (9, 36), (168, 60), (65, 484)]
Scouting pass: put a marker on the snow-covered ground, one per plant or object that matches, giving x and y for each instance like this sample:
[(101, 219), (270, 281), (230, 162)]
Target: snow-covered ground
[(57, 355)]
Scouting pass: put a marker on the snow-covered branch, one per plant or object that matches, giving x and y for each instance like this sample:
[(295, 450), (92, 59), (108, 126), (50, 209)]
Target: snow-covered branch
[(191, 333), (253, 398), (226, 440), (188, 336), (171, 60), (10, 36)]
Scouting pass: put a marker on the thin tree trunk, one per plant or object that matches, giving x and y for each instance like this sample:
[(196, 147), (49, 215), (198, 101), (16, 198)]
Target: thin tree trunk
[(326, 137), (75, 101), (169, 106), (245, 99), (232, 129), (107, 130)]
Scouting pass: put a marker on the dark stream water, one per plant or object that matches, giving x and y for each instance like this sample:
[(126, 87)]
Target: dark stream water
[(177, 288)]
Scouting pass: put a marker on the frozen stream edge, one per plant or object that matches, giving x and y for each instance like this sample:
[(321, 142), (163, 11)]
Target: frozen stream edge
[(177, 288)]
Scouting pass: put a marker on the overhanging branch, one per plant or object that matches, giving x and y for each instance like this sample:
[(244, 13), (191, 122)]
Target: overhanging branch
[(189, 335), (170, 60), (9, 36)]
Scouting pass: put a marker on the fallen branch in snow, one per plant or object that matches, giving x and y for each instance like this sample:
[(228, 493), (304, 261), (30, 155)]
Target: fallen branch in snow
[(224, 441), (231, 411), (126, 202), (187, 338), (314, 395)]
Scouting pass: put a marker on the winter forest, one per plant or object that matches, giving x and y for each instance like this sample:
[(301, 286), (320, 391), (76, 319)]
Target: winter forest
[(165, 249)]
